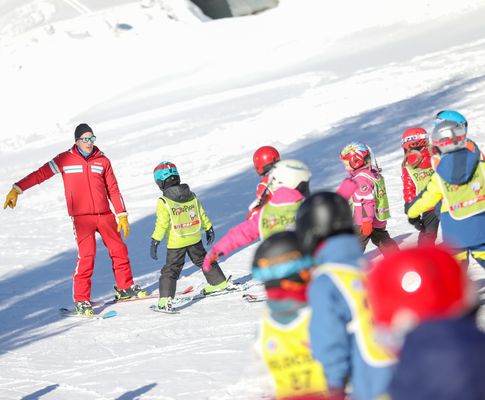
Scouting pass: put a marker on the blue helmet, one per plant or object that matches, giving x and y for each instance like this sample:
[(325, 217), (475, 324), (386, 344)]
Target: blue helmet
[(450, 115), (166, 172)]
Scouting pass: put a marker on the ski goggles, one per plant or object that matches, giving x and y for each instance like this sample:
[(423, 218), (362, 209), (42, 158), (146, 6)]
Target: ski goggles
[(91, 139), (282, 270), (414, 138), (449, 141)]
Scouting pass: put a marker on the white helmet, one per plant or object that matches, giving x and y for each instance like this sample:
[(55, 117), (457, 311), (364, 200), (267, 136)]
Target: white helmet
[(292, 174), (449, 136)]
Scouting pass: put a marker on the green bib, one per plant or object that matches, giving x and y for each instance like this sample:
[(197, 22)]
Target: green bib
[(420, 177), (380, 194), (184, 217), (466, 200), (276, 218)]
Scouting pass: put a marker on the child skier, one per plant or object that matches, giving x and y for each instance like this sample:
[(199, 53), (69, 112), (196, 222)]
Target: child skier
[(289, 179), (416, 173), (283, 338), (263, 159), (180, 217), (459, 182), (367, 191), (341, 329)]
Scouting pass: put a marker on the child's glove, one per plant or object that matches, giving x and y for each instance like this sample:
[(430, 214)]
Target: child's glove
[(11, 199), (153, 249), (210, 235), (417, 223), (366, 228), (210, 258), (413, 158), (123, 224)]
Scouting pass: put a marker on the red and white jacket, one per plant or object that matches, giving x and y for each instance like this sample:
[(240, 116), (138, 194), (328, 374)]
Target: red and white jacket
[(263, 195), (420, 160), (88, 183)]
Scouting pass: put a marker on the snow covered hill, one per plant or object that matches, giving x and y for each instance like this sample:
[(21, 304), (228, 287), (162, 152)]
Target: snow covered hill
[(306, 77)]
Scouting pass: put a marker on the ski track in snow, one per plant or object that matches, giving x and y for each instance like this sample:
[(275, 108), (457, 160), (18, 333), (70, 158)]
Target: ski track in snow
[(205, 96)]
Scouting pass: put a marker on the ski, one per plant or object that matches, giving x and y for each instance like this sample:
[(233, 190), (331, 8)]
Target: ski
[(254, 298), (155, 308), (185, 300), (66, 312), (96, 304)]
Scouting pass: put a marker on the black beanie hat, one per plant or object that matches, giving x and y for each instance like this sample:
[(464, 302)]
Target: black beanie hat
[(80, 129)]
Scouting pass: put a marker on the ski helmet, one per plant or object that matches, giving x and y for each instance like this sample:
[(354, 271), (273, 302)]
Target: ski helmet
[(450, 115), (166, 175), (448, 136), (264, 158), (414, 138), (279, 262), (417, 284), (292, 174), (321, 215), (356, 153)]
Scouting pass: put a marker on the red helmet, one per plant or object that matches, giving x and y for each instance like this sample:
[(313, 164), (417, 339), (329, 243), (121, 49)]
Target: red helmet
[(414, 137), (356, 153), (417, 284), (264, 159)]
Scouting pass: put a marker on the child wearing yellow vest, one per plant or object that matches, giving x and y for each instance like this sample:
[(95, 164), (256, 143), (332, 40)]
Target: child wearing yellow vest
[(284, 338), (416, 174), (459, 183), (180, 217)]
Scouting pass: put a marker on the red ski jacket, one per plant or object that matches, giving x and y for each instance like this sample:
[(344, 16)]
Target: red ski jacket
[(423, 161), (88, 183)]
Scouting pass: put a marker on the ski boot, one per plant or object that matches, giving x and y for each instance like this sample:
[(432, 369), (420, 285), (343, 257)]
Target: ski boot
[(131, 292), (165, 304), (84, 308), (224, 285)]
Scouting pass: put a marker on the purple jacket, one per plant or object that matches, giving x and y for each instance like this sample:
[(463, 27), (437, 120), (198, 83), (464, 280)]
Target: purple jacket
[(360, 189), (248, 231)]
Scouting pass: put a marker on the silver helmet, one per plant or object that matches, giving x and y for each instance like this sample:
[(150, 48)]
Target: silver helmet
[(448, 136), (290, 174)]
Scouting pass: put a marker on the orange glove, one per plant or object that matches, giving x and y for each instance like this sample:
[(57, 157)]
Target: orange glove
[(11, 199), (123, 224), (366, 228)]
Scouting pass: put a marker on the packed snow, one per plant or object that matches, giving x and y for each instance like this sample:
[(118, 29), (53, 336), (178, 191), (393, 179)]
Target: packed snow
[(160, 81)]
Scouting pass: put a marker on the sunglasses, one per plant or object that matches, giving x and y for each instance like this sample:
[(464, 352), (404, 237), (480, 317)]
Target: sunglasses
[(88, 139)]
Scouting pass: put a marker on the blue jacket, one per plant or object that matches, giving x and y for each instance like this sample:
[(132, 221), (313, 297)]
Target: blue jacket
[(454, 168), (334, 343), (443, 360)]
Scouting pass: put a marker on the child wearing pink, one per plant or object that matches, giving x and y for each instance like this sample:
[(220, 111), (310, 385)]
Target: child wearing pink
[(366, 189), (289, 179)]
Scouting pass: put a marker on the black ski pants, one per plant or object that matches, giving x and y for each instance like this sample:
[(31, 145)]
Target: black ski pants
[(431, 224), (381, 238), (175, 262)]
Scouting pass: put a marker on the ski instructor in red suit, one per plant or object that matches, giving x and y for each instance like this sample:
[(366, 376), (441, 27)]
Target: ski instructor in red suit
[(89, 185)]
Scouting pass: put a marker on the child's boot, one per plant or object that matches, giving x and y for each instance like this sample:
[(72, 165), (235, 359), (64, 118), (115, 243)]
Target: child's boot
[(131, 292), (165, 304)]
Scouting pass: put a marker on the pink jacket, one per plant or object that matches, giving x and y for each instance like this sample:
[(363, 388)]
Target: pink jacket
[(361, 190), (248, 231)]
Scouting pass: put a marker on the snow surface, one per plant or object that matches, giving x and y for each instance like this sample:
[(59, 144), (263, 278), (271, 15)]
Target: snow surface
[(306, 77)]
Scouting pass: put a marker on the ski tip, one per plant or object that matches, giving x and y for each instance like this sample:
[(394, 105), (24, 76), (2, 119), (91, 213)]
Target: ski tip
[(109, 314), (188, 289)]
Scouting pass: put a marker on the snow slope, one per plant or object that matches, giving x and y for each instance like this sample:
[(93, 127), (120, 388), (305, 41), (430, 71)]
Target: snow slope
[(305, 77)]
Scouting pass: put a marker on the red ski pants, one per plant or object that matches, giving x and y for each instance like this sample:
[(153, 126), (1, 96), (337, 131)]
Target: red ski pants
[(85, 227)]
